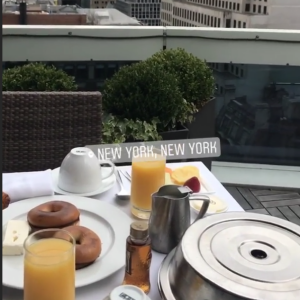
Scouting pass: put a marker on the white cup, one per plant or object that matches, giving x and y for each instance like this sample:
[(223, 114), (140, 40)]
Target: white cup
[(125, 292), (80, 171)]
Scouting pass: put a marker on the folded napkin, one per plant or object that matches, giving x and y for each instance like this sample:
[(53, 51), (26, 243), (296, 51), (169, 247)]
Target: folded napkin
[(27, 185)]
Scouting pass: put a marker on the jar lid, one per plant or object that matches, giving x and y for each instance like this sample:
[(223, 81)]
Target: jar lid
[(139, 230), (127, 292)]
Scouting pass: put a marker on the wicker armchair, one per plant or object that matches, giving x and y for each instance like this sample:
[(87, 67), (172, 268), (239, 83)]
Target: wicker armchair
[(40, 128)]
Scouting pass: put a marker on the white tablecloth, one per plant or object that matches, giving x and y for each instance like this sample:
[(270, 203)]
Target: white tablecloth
[(100, 290)]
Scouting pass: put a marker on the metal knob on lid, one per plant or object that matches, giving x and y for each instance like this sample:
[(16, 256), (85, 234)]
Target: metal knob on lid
[(237, 255)]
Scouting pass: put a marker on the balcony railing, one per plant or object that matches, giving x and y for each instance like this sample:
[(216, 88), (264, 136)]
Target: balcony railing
[(257, 75), (104, 43)]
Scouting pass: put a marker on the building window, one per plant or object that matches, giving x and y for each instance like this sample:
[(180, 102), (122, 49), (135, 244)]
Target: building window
[(265, 10), (70, 70), (82, 72), (236, 71), (247, 7)]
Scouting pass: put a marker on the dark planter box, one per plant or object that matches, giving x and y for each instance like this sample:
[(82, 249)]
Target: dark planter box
[(180, 133), (203, 126)]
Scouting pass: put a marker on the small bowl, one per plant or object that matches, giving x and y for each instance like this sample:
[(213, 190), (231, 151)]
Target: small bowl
[(217, 205)]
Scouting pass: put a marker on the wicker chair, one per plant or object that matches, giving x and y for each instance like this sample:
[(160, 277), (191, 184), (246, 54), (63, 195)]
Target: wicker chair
[(40, 128)]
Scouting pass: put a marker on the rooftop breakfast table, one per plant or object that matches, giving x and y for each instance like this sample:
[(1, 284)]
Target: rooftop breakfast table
[(99, 290)]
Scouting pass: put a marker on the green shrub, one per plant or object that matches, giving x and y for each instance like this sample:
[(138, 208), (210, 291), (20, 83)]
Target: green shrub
[(117, 130), (195, 78), (37, 77), (143, 91)]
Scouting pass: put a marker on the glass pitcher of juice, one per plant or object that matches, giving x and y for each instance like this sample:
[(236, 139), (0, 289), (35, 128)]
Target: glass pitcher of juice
[(147, 176), (49, 265)]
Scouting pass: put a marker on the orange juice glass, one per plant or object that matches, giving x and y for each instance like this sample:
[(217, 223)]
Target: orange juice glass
[(147, 176), (49, 265)]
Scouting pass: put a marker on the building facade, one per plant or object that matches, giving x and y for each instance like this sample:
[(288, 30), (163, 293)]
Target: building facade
[(272, 14), (49, 14), (101, 3), (146, 11)]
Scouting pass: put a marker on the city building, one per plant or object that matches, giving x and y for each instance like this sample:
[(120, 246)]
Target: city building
[(100, 3), (146, 11), (108, 16), (272, 14), (87, 3), (45, 13)]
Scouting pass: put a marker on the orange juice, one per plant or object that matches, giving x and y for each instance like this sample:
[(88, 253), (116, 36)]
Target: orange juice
[(147, 176), (49, 270)]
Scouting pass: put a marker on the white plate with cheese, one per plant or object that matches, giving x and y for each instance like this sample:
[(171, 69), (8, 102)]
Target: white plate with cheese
[(108, 222)]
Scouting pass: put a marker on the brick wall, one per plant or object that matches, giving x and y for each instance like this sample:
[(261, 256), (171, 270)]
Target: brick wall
[(44, 19)]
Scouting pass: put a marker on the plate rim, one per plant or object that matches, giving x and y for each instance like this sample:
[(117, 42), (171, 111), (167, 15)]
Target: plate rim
[(209, 212), (100, 190), (12, 211)]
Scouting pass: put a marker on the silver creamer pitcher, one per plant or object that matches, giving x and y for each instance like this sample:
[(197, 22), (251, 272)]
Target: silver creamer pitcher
[(170, 216)]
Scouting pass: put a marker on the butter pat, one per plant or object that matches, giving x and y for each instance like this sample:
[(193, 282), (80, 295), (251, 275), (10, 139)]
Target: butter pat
[(16, 233)]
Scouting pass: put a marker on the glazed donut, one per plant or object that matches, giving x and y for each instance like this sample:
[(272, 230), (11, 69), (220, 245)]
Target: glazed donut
[(88, 244), (53, 214)]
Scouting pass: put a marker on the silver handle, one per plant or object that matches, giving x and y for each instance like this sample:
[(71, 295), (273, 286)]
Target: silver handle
[(206, 201)]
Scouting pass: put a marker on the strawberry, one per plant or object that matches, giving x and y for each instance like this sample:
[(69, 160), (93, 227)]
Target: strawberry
[(194, 184)]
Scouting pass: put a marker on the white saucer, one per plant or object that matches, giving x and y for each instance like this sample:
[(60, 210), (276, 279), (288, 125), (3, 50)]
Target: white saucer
[(106, 184)]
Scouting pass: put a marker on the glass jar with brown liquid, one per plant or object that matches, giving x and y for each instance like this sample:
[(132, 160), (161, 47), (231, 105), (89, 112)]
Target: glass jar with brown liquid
[(138, 257)]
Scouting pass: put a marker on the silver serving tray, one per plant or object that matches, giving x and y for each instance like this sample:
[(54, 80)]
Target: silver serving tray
[(164, 287)]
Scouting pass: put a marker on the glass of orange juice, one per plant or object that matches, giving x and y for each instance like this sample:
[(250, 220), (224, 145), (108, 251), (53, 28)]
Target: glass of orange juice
[(49, 265), (147, 176)]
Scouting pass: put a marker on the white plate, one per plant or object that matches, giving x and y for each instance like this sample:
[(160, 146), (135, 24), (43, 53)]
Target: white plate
[(211, 209), (110, 223), (106, 184)]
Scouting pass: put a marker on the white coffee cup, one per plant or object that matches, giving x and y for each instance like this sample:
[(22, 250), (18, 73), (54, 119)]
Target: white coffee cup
[(127, 292), (80, 171)]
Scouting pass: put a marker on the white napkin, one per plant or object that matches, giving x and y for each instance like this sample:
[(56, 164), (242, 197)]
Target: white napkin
[(27, 185)]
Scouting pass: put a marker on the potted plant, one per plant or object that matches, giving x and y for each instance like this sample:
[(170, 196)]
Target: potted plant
[(146, 92), (196, 84), (37, 77)]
